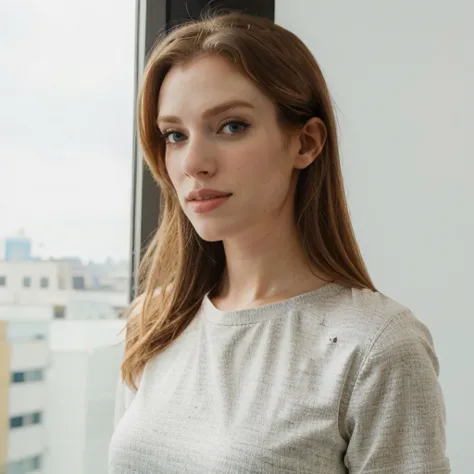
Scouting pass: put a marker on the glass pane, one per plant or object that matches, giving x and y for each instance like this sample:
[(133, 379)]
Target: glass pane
[(37, 462), (36, 418), (16, 422), (36, 375), (66, 147), (18, 377)]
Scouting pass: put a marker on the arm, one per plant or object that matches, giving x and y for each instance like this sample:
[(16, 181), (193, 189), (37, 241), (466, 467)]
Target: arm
[(395, 418)]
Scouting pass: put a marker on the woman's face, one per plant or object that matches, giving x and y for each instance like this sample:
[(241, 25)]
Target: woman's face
[(226, 155)]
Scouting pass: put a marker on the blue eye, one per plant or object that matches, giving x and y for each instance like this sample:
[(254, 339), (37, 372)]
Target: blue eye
[(234, 127), (173, 137)]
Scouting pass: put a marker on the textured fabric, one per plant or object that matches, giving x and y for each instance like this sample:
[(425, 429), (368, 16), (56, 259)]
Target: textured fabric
[(334, 381)]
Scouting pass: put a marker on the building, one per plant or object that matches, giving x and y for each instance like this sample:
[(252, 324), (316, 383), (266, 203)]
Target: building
[(4, 395), (82, 383), (24, 359), (57, 391), (54, 284), (59, 362), (17, 249)]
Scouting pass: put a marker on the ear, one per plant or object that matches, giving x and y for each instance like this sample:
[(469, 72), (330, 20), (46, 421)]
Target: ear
[(312, 138)]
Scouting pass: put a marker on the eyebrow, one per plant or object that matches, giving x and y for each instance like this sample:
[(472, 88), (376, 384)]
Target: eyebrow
[(216, 110)]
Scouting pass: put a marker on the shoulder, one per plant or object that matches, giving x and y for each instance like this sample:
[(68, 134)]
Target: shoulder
[(391, 406), (373, 321), (376, 336)]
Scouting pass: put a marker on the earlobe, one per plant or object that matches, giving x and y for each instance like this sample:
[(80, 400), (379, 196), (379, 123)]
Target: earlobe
[(312, 140)]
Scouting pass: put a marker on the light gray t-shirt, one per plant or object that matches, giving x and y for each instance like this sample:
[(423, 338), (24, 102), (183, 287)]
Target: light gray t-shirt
[(334, 381)]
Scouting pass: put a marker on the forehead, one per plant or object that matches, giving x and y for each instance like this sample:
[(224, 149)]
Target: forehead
[(203, 83)]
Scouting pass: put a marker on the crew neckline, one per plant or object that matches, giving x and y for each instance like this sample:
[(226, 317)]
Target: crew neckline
[(266, 311)]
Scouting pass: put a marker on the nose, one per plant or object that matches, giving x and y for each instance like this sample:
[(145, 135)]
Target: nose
[(199, 159)]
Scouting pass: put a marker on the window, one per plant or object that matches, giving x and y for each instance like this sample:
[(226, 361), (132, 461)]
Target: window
[(3, 281), (59, 312), (26, 420), (78, 283), (36, 418), (36, 462), (27, 376), (70, 109), (18, 377), (24, 466), (16, 422), (34, 375)]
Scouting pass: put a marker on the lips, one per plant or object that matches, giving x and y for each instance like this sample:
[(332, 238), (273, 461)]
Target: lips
[(205, 200), (206, 194)]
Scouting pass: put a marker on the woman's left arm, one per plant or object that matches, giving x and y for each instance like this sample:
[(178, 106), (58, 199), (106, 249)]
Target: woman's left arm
[(395, 417)]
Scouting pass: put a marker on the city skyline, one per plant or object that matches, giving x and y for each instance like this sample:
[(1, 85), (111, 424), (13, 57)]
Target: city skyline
[(39, 252)]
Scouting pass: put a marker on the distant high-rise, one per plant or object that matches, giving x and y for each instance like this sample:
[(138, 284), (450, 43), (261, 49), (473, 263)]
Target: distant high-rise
[(17, 249)]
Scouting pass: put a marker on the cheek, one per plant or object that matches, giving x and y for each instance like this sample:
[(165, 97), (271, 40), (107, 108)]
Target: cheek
[(270, 169), (266, 179), (174, 177), (172, 171), (262, 155)]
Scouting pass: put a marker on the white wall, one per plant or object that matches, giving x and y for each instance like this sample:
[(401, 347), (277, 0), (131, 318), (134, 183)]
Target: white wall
[(81, 304), (85, 335), (402, 76), (66, 413), (86, 309), (15, 271), (32, 297), (28, 355), (27, 397), (81, 400), (81, 394), (25, 330), (101, 389), (26, 312), (25, 442)]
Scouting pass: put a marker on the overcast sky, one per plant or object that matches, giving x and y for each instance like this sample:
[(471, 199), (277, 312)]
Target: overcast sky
[(66, 87)]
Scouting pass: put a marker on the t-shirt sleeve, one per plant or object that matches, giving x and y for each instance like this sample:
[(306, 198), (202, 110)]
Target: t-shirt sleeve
[(395, 416)]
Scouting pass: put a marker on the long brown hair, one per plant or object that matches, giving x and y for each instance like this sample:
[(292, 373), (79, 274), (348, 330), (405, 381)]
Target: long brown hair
[(177, 260)]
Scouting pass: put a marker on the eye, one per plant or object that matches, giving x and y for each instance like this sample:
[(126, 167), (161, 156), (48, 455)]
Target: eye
[(234, 126), (173, 137)]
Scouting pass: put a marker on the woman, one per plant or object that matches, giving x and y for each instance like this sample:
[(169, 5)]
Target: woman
[(267, 348)]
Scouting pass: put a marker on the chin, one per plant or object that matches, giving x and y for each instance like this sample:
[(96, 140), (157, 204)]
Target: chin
[(209, 235), (212, 233)]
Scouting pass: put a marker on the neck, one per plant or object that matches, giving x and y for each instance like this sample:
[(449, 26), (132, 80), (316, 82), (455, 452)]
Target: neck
[(266, 265)]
